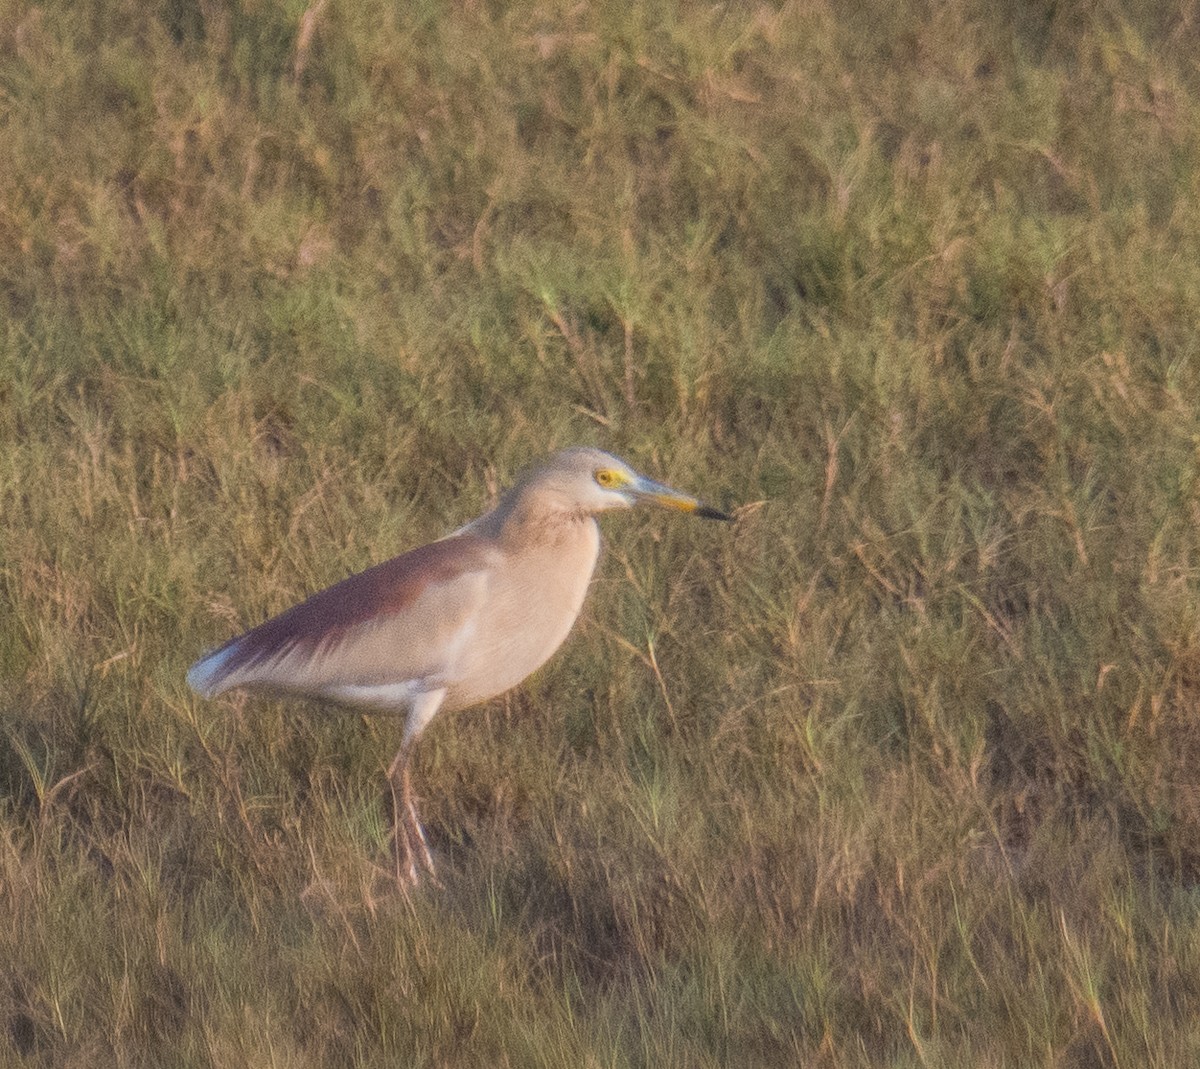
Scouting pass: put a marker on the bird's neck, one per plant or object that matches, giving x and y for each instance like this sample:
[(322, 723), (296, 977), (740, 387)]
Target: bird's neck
[(533, 519)]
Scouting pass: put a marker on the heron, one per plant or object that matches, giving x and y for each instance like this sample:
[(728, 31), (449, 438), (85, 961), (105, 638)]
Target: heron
[(450, 624)]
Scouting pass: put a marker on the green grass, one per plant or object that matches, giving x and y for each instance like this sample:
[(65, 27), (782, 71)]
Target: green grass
[(899, 771)]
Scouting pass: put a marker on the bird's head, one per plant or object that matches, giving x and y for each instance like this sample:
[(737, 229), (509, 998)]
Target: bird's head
[(590, 480)]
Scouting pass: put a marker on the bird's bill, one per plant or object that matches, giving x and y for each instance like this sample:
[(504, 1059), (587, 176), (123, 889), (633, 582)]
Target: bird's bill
[(657, 493)]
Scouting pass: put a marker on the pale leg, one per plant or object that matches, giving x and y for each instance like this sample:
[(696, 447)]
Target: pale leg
[(402, 847), (408, 837)]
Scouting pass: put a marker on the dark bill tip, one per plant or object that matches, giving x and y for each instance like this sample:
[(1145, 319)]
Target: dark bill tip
[(713, 514)]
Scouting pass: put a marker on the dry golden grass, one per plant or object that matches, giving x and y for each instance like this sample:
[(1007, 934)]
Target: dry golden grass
[(901, 771)]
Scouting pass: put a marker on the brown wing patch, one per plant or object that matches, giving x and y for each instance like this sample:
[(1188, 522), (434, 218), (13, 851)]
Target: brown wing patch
[(369, 597)]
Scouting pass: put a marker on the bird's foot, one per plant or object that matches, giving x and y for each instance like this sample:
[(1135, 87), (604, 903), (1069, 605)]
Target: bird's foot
[(411, 856)]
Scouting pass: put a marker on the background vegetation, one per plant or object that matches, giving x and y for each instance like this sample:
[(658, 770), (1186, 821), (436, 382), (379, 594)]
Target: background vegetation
[(900, 771)]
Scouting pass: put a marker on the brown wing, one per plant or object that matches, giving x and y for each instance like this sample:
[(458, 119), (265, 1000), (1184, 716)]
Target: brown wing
[(400, 622)]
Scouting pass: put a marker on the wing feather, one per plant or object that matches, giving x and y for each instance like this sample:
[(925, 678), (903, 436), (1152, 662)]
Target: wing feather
[(399, 622)]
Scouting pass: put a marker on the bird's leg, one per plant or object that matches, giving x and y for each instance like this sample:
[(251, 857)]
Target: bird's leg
[(403, 856), (406, 826), (418, 833), (404, 811)]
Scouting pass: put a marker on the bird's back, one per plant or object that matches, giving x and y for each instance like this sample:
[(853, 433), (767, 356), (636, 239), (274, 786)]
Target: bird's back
[(474, 614), (390, 624)]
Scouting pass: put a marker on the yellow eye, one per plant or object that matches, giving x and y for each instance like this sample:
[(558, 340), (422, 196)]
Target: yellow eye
[(606, 478)]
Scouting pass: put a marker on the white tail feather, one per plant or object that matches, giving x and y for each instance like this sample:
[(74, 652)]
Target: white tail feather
[(207, 676)]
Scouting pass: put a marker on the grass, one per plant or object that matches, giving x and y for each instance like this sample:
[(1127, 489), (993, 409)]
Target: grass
[(899, 771)]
